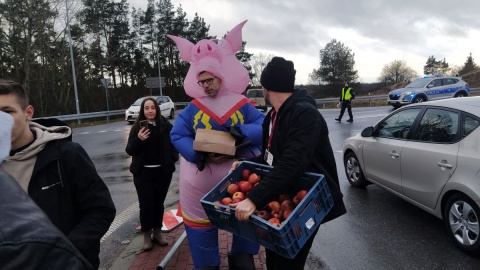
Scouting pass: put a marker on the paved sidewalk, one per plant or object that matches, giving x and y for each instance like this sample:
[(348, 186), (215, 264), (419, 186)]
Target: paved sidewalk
[(132, 258)]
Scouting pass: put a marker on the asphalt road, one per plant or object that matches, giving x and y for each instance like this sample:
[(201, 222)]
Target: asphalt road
[(380, 231)]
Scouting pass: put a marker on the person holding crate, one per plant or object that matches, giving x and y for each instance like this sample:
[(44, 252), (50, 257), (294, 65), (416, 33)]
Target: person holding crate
[(216, 81), (295, 141)]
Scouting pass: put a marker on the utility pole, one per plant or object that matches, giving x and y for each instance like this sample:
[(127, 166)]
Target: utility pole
[(77, 104), (158, 62)]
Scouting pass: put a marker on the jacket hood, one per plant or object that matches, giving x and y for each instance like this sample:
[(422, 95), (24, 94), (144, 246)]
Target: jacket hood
[(43, 136), (298, 96)]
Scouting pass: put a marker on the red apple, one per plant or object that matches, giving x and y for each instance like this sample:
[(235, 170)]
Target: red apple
[(295, 201), (216, 206), (253, 178), (238, 195), (287, 213), (264, 214), (276, 214), (274, 221), (245, 186), (284, 196), (274, 206), (301, 194), (245, 174), (287, 205), (226, 201), (237, 200), (232, 188)]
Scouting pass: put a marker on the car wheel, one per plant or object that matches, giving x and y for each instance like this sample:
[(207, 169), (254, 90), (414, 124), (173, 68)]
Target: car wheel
[(172, 114), (461, 94), (461, 217), (418, 100), (354, 171)]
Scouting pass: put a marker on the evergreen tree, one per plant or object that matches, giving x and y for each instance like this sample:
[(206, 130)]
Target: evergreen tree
[(336, 64), (469, 66)]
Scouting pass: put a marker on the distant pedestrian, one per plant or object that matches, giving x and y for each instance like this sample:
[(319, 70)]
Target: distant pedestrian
[(346, 102), (153, 163)]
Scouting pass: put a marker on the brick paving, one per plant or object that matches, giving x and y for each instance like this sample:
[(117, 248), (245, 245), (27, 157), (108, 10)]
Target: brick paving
[(181, 259)]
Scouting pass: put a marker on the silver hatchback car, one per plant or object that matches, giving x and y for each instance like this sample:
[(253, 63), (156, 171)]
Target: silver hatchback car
[(429, 155), (426, 89)]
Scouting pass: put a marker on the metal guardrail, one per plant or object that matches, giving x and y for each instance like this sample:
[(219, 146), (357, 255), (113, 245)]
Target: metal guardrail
[(320, 103)]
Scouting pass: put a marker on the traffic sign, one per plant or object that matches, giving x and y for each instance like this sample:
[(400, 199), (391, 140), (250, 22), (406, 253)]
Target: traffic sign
[(153, 82)]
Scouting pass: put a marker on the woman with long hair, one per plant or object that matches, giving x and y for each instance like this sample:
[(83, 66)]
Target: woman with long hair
[(153, 163)]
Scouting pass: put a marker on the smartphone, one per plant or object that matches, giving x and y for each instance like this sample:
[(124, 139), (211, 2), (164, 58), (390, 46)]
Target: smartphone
[(144, 124)]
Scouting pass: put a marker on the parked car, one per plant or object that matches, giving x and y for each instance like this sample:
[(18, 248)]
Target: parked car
[(256, 96), (427, 154), (167, 107), (427, 89)]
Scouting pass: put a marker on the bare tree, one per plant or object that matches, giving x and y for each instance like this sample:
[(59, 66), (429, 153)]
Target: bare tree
[(258, 63), (397, 71)]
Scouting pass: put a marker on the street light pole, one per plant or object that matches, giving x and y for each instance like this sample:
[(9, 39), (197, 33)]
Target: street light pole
[(158, 62), (77, 104)]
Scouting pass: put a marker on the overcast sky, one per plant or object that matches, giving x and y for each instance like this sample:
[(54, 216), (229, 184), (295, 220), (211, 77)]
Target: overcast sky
[(377, 31)]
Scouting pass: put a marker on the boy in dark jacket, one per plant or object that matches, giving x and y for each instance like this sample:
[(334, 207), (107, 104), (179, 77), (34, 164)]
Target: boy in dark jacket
[(57, 174), (295, 141)]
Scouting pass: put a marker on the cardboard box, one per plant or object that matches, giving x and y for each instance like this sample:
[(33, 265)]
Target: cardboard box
[(214, 141)]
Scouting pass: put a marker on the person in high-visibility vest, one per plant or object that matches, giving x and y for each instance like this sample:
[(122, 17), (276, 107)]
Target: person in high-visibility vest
[(346, 102)]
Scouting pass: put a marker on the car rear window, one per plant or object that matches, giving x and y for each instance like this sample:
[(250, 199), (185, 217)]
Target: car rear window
[(254, 93)]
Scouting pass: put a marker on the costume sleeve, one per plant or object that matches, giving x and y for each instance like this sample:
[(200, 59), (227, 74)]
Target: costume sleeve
[(297, 152), (91, 196), (183, 135)]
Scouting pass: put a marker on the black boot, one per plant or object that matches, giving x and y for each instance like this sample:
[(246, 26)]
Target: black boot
[(240, 261)]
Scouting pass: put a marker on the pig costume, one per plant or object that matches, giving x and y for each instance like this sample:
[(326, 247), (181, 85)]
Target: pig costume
[(228, 108)]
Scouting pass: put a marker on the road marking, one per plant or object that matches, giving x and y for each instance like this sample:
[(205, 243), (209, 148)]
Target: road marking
[(85, 132), (102, 131), (120, 219)]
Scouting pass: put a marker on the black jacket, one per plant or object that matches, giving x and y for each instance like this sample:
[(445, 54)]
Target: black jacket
[(66, 185), (135, 148), (28, 239), (300, 144)]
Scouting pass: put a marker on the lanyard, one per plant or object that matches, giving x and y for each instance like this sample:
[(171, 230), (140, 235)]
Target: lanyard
[(274, 119)]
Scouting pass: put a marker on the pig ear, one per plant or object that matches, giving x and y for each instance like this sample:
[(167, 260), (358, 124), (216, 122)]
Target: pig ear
[(235, 37), (184, 47)]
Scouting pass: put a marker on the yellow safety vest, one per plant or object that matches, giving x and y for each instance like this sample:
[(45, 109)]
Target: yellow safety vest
[(346, 94)]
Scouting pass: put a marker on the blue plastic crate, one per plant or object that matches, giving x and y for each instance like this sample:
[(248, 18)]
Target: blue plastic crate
[(289, 238)]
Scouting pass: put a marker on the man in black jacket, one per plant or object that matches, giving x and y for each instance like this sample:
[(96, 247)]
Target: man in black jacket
[(57, 174), (28, 239), (295, 141)]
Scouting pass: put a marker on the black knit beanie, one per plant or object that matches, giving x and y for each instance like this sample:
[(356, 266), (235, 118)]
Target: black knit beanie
[(278, 75)]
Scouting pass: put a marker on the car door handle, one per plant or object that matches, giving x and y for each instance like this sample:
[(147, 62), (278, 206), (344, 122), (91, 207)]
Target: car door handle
[(394, 154), (445, 165)]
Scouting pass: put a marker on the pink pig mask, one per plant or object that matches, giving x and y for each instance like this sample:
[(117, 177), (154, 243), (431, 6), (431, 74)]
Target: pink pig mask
[(216, 57)]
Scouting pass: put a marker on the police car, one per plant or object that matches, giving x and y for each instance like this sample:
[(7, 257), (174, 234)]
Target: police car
[(429, 88)]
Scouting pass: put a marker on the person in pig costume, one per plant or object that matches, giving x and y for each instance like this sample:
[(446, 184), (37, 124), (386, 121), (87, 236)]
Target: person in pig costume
[(216, 80)]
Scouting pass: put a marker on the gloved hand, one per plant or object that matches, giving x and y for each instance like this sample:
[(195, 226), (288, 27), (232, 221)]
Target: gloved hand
[(237, 133)]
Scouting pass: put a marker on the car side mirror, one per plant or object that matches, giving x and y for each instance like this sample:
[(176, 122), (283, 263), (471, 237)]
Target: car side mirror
[(367, 132)]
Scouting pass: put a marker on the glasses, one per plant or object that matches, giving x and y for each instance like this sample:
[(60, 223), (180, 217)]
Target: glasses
[(206, 81)]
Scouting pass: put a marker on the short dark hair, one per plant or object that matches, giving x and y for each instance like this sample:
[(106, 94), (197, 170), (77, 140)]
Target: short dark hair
[(10, 87)]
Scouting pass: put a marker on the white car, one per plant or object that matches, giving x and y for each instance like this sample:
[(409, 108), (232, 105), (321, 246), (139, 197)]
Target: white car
[(429, 155), (167, 107)]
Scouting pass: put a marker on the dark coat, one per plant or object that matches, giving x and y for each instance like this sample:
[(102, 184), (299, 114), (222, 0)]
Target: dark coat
[(300, 144), (135, 148), (28, 239), (67, 187)]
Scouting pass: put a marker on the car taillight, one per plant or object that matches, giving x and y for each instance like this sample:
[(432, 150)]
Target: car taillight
[(467, 85)]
